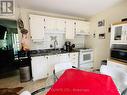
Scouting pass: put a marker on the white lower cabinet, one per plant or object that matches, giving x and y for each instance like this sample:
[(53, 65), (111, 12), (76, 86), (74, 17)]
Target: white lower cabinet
[(56, 59), (63, 58), (73, 57), (39, 68), (51, 60), (43, 66)]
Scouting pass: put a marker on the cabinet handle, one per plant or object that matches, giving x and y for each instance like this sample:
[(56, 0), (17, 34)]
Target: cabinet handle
[(44, 20), (64, 29), (46, 57), (126, 34)]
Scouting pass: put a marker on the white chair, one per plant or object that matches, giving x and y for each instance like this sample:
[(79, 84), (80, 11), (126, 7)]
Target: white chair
[(119, 76), (61, 67), (25, 93)]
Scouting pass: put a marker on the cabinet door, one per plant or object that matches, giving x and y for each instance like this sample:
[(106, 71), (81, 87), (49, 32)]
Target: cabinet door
[(60, 25), (117, 35), (74, 59), (50, 24), (83, 27), (70, 29), (37, 27), (63, 58), (51, 60), (35, 65), (125, 33), (39, 68)]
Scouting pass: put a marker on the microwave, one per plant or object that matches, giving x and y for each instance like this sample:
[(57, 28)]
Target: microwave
[(119, 54)]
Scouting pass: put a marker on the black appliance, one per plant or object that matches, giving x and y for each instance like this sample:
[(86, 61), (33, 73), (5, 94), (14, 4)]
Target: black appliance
[(2, 31), (7, 61), (68, 46), (119, 54)]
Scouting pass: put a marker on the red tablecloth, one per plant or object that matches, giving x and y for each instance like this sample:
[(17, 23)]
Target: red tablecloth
[(77, 82)]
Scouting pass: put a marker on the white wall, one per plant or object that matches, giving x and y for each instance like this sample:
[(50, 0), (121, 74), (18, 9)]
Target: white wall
[(101, 46)]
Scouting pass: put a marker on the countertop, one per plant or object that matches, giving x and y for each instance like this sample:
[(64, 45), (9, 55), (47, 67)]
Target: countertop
[(34, 53), (117, 61)]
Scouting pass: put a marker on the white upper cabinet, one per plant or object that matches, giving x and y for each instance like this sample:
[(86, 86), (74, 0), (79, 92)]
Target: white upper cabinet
[(44, 24), (60, 25), (119, 34), (70, 29), (125, 33), (50, 24), (37, 27), (55, 25), (82, 28)]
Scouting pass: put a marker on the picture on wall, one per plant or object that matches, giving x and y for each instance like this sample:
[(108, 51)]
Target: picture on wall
[(102, 36), (101, 23)]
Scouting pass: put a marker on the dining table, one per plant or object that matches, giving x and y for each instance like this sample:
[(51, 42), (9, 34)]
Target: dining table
[(79, 82)]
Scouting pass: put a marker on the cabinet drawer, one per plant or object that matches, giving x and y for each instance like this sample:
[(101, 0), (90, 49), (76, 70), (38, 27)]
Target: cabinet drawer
[(74, 54), (74, 58)]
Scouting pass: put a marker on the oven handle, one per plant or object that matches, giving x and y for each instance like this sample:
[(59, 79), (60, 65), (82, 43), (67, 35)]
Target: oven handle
[(119, 50)]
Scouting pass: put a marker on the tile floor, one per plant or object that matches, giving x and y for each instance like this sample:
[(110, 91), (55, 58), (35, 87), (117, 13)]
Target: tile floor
[(14, 81)]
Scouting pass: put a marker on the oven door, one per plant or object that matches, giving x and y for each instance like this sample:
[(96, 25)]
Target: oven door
[(119, 54), (86, 57)]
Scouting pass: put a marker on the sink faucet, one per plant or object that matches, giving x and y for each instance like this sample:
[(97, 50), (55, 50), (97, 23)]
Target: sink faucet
[(55, 43), (54, 38)]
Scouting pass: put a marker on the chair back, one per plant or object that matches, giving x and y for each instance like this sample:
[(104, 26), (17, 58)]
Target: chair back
[(62, 66)]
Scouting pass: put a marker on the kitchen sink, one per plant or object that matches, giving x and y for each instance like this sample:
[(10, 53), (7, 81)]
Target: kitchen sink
[(46, 52), (52, 51)]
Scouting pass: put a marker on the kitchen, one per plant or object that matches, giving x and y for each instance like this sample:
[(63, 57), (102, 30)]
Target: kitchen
[(56, 44)]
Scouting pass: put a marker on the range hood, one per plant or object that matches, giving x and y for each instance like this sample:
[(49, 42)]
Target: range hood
[(82, 33), (2, 32)]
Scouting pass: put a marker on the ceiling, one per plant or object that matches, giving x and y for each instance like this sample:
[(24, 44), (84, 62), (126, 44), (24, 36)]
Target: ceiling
[(82, 8)]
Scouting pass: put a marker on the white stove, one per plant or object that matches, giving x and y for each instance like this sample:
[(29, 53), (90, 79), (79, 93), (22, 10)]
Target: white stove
[(85, 58)]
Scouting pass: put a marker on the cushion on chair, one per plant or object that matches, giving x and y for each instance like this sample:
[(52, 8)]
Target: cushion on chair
[(25, 93), (62, 66)]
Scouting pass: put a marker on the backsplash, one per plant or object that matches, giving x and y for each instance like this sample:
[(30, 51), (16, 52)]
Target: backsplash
[(48, 42), (79, 41)]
